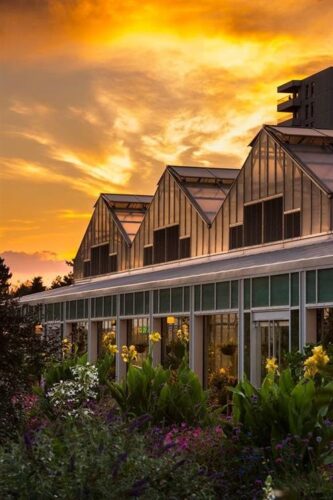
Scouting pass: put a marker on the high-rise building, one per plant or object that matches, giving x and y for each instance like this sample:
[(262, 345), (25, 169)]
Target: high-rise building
[(309, 102)]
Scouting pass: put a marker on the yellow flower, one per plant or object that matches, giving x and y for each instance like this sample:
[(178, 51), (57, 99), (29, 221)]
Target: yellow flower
[(313, 363), (183, 335), (113, 349), (129, 353), (223, 371), (271, 365), (154, 337)]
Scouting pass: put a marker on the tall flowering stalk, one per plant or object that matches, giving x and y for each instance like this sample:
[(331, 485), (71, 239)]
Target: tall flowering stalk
[(314, 363)]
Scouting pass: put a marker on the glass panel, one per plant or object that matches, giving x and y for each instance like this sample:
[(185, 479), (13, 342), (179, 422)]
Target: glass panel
[(156, 301), (177, 299), (295, 289), (165, 300), (173, 343), (208, 295), (139, 303), (273, 215), (247, 346), (79, 336), (280, 290), (247, 294), (72, 309), (80, 309), (316, 210), (255, 174), (253, 224), (271, 167), (129, 303), (186, 298), (99, 307), (311, 287), (325, 285), (297, 187), (294, 330), (137, 335), (260, 292), (220, 353), (234, 294), (197, 296), (147, 303), (107, 306), (223, 295), (306, 212), (325, 325), (122, 305), (288, 184), (114, 305), (57, 311)]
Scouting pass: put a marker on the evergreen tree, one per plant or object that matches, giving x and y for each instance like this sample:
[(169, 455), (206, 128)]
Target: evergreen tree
[(5, 276)]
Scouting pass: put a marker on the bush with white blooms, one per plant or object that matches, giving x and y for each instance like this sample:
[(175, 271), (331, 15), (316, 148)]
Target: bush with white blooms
[(70, 397)]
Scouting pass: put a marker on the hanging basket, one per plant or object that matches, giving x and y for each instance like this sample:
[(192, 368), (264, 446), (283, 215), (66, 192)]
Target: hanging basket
[(141, 348), (228, 349)]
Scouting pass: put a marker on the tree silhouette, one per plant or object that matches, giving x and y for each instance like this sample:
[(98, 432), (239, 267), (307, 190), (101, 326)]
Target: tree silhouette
[(29, 287), (5, 276)]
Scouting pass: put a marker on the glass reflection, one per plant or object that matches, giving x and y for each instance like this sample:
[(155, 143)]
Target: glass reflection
[(137, 335), (174, 342), (220, 354)]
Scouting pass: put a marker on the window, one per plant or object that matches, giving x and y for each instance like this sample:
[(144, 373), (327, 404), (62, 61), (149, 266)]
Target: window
[(236, 237), (311, 284), (292, 225), (167, 246), (253, 224), (306, 111), (273, 212), (262, 223), (184, 248), (280, 290), (95, 263), (104, 259), (325, 288), (311, 109), (312, 88), (260, 292), (306, 91), (113, 263), (148, 256), (159, 246), (101, 262), (86, 268)]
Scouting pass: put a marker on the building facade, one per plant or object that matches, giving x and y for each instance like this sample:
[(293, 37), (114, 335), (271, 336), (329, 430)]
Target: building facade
[(309, 102), (238, 260)]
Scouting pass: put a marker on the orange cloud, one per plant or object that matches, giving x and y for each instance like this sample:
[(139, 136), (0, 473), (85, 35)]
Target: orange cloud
[(99, 96)]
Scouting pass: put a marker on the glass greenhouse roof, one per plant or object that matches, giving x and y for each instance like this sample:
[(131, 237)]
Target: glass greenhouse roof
[(206, 188), (312, 149), (128, 212)]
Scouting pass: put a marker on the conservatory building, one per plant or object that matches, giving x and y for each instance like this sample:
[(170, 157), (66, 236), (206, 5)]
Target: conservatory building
[(237, 261)]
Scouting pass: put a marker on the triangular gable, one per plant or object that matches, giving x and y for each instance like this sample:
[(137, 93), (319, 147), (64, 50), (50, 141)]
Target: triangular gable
[(128, 212), (206, 188), (311, 149)]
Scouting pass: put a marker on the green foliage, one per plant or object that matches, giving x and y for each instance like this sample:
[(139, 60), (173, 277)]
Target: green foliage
[(165, 395), (61, 370), (282, 407), (106, 368), (86, 458), (23, 356)]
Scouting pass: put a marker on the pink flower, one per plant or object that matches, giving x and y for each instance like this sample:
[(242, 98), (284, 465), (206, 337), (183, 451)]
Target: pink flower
[(218, 429)]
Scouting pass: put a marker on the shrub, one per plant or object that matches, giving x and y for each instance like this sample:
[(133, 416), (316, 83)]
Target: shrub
[(86, 458), (68, 397), (168, 396), (283, 407)]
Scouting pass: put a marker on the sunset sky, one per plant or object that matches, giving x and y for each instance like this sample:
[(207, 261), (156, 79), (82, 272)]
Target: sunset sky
[(99, 95)]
